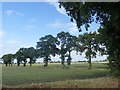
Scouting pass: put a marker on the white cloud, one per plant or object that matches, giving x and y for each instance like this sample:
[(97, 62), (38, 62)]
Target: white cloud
[(10, 46), (70, 27), (2, 33), (49, 0), (56, 24), (13, 42), (11, 13), (29, 27), (19, 14), (56, 5), (1, 44)]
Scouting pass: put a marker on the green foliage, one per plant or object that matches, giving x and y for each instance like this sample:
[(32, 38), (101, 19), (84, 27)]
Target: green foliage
[(31, 53), (23, 53), (21, 56), (67, 44), (108, 15), (90, 45), (46, 47), (8, 59)]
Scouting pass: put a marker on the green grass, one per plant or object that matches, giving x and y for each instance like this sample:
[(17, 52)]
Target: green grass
[(14, 75), (102, 82)]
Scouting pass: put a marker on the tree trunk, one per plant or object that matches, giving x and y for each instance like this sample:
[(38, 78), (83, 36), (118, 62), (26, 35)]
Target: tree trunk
[(6, 64), (18, 63), (30, 62), (69, 58), (90, 65), (63, 60), (9, 64), (46, 61), (24, 63), (63, 63)]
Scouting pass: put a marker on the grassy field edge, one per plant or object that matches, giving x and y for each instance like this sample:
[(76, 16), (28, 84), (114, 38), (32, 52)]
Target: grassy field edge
[(103, 82)]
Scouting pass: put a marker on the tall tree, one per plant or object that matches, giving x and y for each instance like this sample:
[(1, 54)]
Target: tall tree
[(90, 45), (71, 45), (63, 40), (108, 15), (46, 47), (18, 57)]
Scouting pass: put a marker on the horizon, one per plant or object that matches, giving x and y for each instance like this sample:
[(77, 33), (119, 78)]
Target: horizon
[(23, 26)]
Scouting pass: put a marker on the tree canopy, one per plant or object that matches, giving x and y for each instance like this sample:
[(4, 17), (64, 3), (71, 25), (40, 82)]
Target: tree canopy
[(8, 59), (46, 47), (108, 16)]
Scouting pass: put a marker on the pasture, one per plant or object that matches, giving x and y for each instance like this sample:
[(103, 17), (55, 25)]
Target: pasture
[(56, 76)]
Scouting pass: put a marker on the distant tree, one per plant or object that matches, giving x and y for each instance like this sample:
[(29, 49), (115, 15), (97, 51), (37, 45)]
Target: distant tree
[(63, 40), (90, 45), (47, 46), (71, 45), (8, 59), (18, 57), (68, 43), (21, 55), (31, 53)]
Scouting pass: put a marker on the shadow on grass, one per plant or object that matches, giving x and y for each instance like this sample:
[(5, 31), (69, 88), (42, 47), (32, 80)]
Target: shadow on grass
[(76, 77), (80, 66), (61, 78), (80, 77)]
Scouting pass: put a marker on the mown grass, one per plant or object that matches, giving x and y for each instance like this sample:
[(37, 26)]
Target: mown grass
[(37, 74), (102, 82)]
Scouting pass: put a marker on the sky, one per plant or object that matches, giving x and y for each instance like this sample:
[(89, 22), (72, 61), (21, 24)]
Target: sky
[(23, 23)]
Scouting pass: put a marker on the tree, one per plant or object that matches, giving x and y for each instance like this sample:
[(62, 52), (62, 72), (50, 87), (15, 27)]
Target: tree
[(8, 59), (31, 53), (21, 55), (108, 15), (90, 45), (18, 57), (63, 42), (71, 45), (46, 47)]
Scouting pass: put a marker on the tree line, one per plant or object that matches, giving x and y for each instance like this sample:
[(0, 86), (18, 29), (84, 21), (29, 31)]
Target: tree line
[(61, 45), (108, 37), (107, 14)]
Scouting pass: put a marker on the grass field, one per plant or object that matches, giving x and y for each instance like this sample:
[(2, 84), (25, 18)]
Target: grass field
[(77, 75)]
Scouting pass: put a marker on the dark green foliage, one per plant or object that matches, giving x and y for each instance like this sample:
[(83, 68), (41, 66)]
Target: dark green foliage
[(67, 44), (23, 53), (108, 15), (31, 53), (21, 56), (62, 38), (8, 59), (90, 45), (46, 47), (71, 45)]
